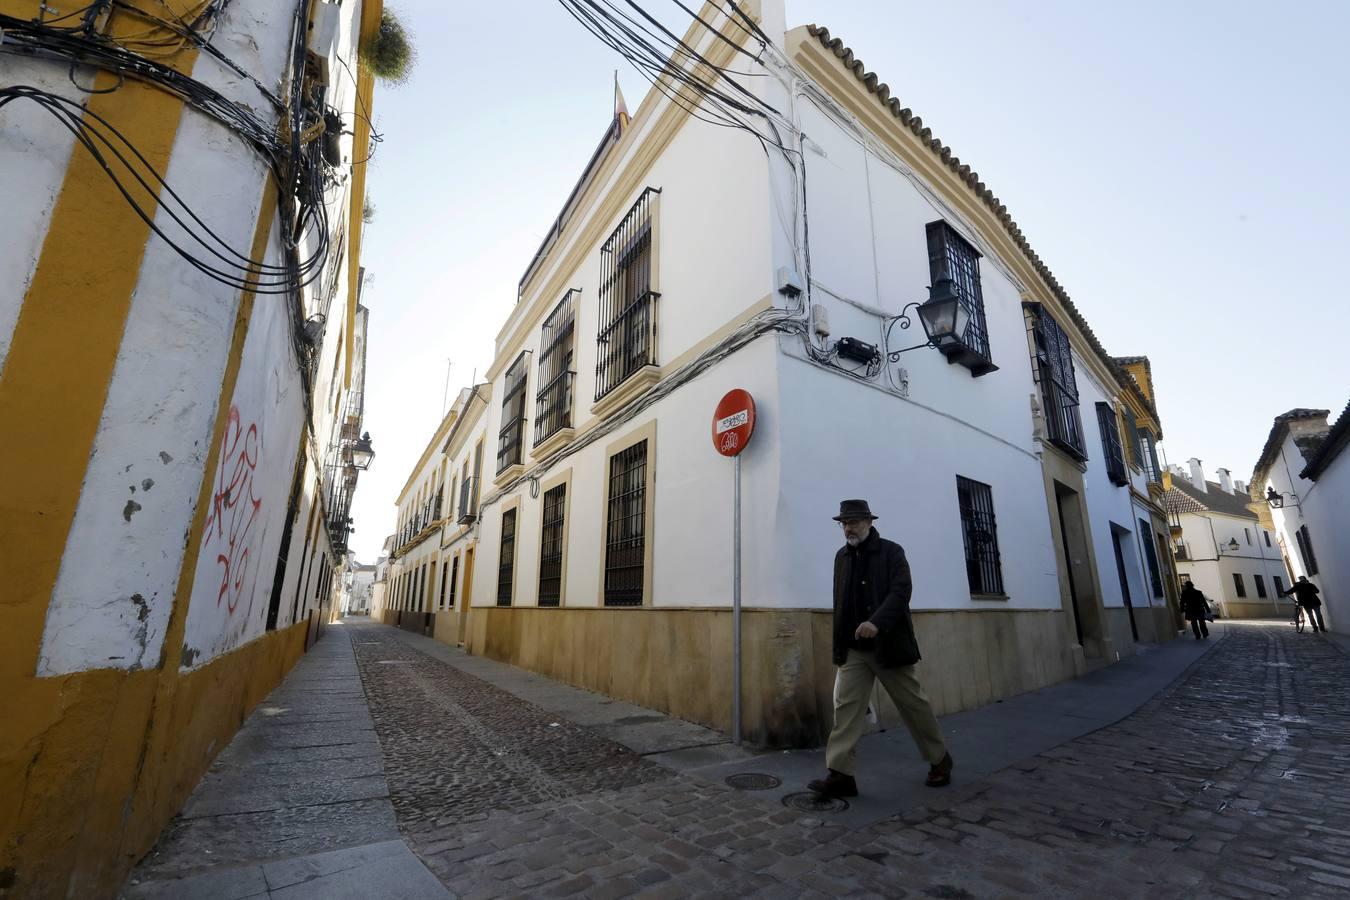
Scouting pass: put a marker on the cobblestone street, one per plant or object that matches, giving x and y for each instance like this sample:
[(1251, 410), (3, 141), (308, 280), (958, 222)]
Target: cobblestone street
[(1230, 783)]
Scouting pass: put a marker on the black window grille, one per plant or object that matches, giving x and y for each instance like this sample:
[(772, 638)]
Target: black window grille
[(506, 568), (627, 338), (626, 541), (1151, 555), (1260, 586), (454, 578), (553, 406), (511, 437), (1237, 583), (984, 569), (1136, 446), (952, 256), (1150, 456), (1305, 549), (1279, 583), (551, 546), (1266, 534), (445, 573), (1059, 386), (1111, 450)]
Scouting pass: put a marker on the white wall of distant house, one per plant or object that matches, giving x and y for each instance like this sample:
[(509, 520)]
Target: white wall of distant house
[(1324, 507)]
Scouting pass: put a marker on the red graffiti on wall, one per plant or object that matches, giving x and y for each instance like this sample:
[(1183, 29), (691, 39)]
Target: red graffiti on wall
[(234, 508)]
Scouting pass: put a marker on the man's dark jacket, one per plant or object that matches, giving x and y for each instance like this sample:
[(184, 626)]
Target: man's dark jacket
[(1305, 594), (884, 601)]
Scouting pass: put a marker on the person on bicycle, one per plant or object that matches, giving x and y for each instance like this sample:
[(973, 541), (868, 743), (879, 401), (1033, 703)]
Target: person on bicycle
[(1306, 597), (1196, 608)]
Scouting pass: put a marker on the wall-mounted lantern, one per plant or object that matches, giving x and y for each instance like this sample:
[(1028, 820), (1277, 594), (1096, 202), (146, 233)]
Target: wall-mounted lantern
[(942, 316)]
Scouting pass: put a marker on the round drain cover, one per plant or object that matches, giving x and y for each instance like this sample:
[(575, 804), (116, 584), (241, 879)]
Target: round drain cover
[(809, 801), (753, 781)]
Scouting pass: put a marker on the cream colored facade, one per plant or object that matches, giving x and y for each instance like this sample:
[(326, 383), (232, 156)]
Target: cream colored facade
[(602, 546)]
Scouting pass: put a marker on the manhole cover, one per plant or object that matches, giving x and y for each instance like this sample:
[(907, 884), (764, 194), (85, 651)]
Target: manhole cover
[(809, 801), (753, 781)]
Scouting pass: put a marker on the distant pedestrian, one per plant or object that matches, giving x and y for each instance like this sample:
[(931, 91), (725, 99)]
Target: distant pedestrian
[(1196, 609), (874, 640), (1306, 596)]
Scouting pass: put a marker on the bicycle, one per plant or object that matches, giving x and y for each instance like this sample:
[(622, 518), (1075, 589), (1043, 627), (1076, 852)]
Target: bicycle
[(1298, 619)]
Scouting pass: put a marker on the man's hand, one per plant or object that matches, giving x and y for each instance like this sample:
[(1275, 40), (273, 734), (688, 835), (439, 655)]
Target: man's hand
[(865, 630)]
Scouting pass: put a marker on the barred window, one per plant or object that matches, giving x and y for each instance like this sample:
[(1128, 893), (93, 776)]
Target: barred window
[(445, 573), (1059, 386), (1305, 550), (553, 406), (1150, 456), (551, 546), (952, 256), (1260, 586), (1237, 583), (984, 568), (454, 578), (627, 338), (507, 566), (1151, 555), (626, 541), (511, 437), (1279, 584), (1111, 449), (1136, 446)]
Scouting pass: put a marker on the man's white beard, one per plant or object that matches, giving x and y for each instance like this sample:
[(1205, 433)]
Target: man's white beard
[(852, 540)]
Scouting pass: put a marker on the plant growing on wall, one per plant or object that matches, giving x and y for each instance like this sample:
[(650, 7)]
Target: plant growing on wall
[(389, 55), (368, 212)]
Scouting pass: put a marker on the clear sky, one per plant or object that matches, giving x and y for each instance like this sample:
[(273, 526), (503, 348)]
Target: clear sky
[(1181, 167)]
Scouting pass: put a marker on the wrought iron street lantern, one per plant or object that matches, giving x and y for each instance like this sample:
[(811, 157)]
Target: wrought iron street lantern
[(363, 453), (1274, 498), (943, 317), (1232, 544)]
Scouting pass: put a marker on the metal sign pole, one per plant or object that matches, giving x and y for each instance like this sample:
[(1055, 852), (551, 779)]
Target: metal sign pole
[(736, 609)]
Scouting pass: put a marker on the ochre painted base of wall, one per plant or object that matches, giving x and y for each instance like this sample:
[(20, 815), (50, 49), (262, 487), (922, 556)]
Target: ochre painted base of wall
[(446, 629), (1154, 624), (679, 661), (94, 765), (1259, 609)]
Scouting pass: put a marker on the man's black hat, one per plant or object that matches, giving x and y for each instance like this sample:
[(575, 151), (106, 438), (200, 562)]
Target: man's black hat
[(854, 509)]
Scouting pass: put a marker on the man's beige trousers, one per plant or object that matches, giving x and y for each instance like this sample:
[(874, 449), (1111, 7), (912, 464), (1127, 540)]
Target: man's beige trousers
[(856, 677)]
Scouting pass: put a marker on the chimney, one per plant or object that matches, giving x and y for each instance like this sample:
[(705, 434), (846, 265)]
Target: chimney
[(1197, 475), (1240, 487), (1225, 480)]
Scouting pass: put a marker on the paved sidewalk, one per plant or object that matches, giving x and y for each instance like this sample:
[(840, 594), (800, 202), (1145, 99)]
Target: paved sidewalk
[(296, 807)]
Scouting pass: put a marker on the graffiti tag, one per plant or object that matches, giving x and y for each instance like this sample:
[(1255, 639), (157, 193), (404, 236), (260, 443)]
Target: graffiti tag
[(234, 508)]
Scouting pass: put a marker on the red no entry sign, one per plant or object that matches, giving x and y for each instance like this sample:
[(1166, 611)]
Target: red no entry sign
[(733, 422)]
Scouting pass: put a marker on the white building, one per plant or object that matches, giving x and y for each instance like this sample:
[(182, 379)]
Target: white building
[(1302, 463), (686, 263), (1221, 546)]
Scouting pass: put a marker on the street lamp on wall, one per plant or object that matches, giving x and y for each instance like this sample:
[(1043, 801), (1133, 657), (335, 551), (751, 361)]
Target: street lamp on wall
[(942, 316), (362, 452), (1232, 544)]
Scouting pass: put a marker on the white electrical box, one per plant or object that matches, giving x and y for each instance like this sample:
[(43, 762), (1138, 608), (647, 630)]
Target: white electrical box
[(820, 321)]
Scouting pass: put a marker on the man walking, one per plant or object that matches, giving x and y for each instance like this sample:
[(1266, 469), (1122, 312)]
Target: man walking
[(1306, 596), (1196, 607), (874, 639)]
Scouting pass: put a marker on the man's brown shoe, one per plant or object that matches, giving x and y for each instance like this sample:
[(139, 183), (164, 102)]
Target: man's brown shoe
[(940, 775), (836, 784)]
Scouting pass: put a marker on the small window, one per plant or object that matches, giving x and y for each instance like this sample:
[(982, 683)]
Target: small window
[(1248, 533), (1279, 584), (1132, 431), (1237, 583), (984, 568), (1260, 586), (1266, 534), (951, 256), (626, 540), (1305, 550), (1150, 459), (445, 573), (1109, 426), (551, 546), (1151, 555), (506, 568)]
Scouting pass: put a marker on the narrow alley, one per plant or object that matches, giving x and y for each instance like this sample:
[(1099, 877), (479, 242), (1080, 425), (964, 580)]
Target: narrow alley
[(1229, 782)]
